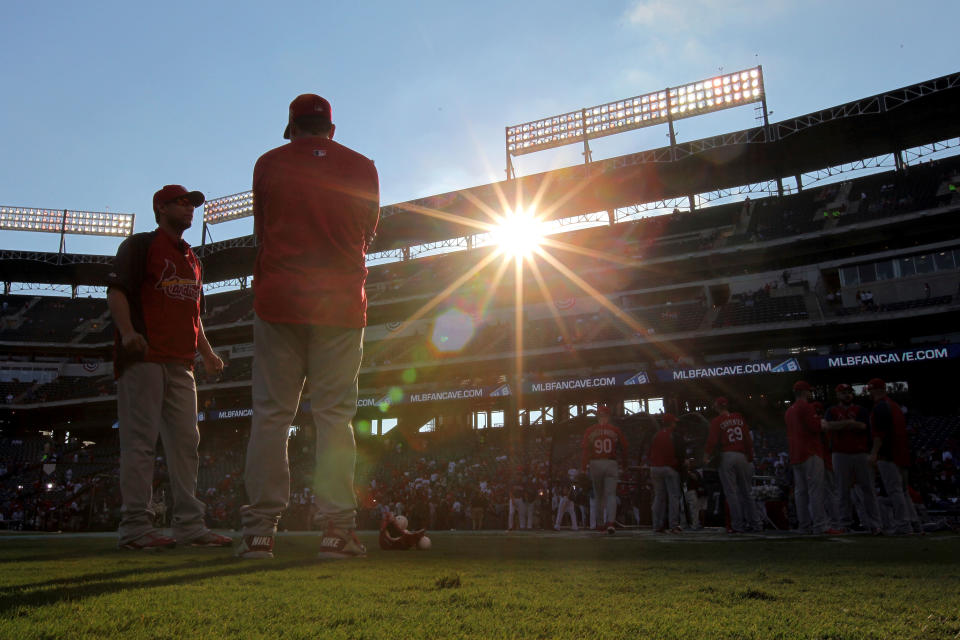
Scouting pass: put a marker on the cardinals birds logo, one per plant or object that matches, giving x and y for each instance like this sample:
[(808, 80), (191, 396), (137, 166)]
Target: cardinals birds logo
[(176, 286)]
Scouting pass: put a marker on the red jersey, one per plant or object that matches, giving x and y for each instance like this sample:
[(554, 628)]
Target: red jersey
[(315, 206), (889, 425), (663, 451), (730, 431), (803, 432), (849, 440), (603, 441), (161, 279)]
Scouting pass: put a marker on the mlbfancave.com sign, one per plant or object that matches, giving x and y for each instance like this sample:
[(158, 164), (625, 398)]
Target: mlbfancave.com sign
[(730, 369), (635, 377), (458, 394), (573, 383), (873, 358)]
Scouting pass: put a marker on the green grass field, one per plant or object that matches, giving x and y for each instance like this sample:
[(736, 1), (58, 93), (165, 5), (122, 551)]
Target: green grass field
[(490, 585)]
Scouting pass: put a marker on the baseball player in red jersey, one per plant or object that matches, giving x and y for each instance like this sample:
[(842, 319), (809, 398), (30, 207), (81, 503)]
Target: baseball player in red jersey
[(891, 455), (806, 459), (155, 297), (730, 433), (831, 502), (316, 204), (602, 445), (664, 464), (850, 443)]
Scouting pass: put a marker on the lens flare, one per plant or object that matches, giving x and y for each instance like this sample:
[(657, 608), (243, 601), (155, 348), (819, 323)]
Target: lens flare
[(519, 234), (452, 330)]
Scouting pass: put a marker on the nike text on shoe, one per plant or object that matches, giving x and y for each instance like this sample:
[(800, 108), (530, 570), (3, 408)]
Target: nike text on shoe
[(255, 548), (150, 542), (341, 543)]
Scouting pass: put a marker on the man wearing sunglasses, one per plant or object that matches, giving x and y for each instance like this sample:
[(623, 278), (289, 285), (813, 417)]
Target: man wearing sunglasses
[(155, 297)]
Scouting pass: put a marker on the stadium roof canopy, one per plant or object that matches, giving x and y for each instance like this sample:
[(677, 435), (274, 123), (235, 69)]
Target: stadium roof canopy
[(912, 116)]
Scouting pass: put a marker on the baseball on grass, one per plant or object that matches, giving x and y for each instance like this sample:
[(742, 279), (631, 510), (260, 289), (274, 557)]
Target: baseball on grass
[(401, 522), (423, 543)]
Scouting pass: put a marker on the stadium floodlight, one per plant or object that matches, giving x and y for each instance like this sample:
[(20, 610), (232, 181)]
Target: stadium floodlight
[(234, 207), (720, 92), (86, 223)]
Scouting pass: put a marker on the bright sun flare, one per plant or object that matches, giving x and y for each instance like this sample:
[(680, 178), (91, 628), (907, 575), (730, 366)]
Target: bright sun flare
[(518, 234)]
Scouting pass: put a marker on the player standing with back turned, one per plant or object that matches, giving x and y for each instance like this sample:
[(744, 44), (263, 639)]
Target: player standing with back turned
[(730, 433), (315, 208), (806, 459), (602, 445)]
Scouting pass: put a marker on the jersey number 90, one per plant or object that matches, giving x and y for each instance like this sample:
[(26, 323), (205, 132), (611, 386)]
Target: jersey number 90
[(603, 446)]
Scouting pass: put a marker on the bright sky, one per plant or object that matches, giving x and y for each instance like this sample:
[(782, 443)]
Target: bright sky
[(105, 102)]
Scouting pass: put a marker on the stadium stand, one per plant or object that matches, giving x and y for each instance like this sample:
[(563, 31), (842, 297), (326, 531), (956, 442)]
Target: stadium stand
[(761, 308), (659, 309)]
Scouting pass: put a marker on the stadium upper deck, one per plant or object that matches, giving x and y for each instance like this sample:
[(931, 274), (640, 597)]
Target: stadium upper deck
[(884, 124), (751, 289)]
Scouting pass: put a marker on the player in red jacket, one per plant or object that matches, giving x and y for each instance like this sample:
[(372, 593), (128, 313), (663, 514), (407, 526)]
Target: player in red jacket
[(664, 460), (806, 459), (730, 433), (602, 445), (891, 455)]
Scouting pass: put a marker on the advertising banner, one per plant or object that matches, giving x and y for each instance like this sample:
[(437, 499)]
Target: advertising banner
[(891, 356), (746, 368)]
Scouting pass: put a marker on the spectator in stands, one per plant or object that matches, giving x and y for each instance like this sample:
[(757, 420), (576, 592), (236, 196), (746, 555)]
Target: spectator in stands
[(695, 495), (566, 505), (310, 312), (517, 513), (155, 299), (891, 455), (478, 508)]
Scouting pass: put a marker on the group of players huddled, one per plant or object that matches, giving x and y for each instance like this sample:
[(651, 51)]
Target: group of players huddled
[(834, 456)]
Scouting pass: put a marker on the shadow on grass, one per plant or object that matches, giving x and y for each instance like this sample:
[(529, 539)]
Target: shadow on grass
[(87, 578), (41, 597), (40, 557)]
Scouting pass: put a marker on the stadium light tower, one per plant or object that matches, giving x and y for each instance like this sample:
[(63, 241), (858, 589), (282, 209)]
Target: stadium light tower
[(64, 221), (232, 207), (723, 91)]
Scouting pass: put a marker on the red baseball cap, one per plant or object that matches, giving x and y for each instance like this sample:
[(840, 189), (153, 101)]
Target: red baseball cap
[(721, 400), (801, 385), (843, 387), (307, 104), (877, 383), (171, 192)]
